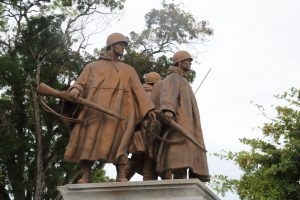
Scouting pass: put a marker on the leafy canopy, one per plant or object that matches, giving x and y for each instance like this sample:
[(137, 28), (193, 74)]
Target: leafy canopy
[(271, 168)]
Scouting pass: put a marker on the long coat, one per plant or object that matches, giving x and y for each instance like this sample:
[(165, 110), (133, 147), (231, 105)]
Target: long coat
[(175, 94), (116, 86), (144, 139)]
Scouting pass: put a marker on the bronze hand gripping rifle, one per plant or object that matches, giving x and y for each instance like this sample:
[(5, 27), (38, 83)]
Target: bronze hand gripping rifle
[(166, 120)]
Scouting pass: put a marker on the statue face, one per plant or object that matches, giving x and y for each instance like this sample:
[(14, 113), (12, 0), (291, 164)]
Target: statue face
[(186, 64), (118, 48)]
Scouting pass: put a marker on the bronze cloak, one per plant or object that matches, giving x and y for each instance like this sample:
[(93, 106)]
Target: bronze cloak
[(175, 94), (116, 86)]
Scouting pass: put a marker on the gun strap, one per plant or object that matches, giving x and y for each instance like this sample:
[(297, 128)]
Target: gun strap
[(73, 120), (164, 139), (159, 167)]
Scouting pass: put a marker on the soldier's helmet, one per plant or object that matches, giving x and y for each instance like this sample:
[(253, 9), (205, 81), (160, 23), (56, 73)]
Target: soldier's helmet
[(180, 56), (152, 77), (114, 38)]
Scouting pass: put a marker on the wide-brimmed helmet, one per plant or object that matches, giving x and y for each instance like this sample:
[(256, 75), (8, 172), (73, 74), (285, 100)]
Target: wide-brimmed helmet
[(114, 38), (152, 77), (180, 56)]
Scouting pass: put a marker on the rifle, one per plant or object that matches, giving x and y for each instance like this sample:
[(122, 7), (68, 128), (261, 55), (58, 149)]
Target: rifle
[(46, 90), (162, 117), (202, 81)]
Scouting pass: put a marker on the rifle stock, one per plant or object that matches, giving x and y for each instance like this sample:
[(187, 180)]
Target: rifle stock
[(46, 90)]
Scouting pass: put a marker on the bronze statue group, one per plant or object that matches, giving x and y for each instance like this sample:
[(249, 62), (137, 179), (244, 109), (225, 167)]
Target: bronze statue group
[(161, 128)]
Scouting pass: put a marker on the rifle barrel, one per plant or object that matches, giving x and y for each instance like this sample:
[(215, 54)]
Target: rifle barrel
[(178, 128), (46, 90), (202, 81), (96, 107)]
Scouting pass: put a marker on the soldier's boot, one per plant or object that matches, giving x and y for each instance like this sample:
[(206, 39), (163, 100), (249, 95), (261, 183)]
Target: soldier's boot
[(121, 173), (149, 172), (130, 169), (180, 174), (86, 171), (167, 175)]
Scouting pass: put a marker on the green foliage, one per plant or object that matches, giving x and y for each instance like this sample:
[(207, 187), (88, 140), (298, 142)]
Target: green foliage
[(168, 27), (140, 62), (271, 169), (165, 29), (83, 4), (98, 173), (181, 25), (3, 20), (144, 65), (15, 143), (48, 31)]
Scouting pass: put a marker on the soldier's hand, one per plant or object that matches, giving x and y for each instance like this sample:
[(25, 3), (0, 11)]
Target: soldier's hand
[(152, 115), (74, 93), (169, 114)]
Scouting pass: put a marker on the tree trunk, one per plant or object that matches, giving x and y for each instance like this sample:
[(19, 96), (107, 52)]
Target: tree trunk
[(40, 173)]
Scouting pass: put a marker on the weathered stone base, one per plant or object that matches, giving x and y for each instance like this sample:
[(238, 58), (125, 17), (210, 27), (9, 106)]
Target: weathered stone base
[(180, 189)]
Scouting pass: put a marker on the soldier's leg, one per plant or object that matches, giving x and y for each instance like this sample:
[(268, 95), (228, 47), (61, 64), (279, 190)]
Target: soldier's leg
[(149, 171), (121, 174), (130, 169), (180, 173), (86, 171), (133, 165), (166, 175)]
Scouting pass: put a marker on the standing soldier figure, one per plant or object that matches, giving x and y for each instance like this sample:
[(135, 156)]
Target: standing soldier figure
[(115, 85), (151, 79), (175, 98), (143, 159)]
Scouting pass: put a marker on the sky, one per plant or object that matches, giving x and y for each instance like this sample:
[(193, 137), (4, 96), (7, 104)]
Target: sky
[(253, 55)]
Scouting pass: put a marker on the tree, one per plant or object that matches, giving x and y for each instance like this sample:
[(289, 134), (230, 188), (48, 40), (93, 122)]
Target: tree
[(37, 49), (271, 168), (166, 29), (2, 18)]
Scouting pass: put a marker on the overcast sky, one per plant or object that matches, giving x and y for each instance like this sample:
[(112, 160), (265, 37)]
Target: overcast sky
[(253, 55)]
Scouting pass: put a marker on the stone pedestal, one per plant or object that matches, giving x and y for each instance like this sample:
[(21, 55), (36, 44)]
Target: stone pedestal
[(180, 189)]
